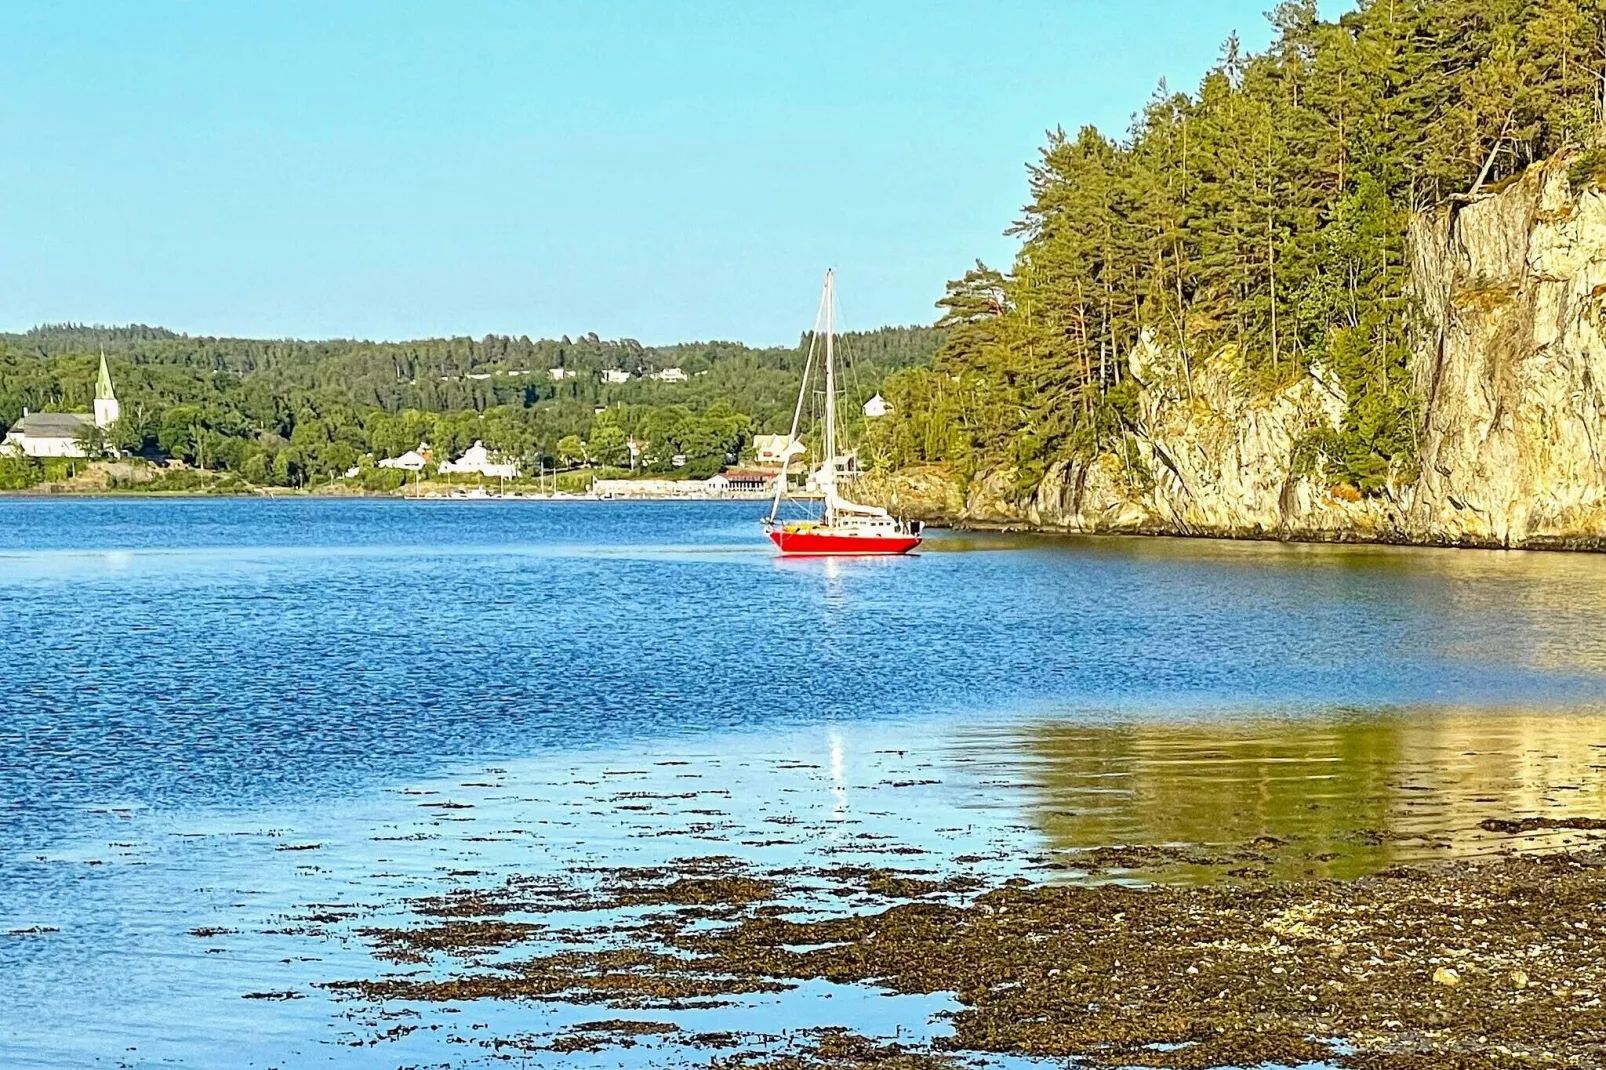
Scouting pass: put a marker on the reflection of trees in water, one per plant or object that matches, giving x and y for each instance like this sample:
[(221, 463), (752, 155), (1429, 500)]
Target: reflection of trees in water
[(1547, 610), (1365, 789), (1518, 608)]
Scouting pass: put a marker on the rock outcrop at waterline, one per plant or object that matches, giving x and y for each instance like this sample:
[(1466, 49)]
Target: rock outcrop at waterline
[(1510, 365), (1513, 367)]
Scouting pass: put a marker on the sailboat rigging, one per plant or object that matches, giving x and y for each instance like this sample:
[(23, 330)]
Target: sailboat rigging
[(844, 527)]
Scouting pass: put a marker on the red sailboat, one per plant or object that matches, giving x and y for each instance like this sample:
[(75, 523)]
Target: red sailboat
[(844, 527)]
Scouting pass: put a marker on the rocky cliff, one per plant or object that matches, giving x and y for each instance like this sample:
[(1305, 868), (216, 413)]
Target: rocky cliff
[(1510, 365)]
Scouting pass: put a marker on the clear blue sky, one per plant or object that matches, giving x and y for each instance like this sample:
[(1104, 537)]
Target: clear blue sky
[(645, 168)]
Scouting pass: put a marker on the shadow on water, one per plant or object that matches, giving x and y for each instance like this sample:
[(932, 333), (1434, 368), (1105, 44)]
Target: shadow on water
[(1346, 794)]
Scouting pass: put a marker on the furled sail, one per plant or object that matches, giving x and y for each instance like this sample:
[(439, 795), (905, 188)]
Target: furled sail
[(825, 479)]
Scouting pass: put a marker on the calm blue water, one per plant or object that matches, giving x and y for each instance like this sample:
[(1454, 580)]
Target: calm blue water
[(188, 684)]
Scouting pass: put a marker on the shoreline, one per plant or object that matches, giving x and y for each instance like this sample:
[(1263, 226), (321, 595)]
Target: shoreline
[(1160, 950), (932, 519), (291, 493), (1582, 545)]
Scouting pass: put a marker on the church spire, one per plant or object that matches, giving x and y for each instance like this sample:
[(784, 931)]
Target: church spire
[(107, 408), (103, 386)]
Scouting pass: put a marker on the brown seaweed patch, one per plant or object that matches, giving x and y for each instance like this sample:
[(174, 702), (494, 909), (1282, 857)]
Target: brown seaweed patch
[(527, 895), (836, 1049), (612, 1033), (620, 977), (731, 890), (1139, 857), (896, 884), (1484, 963), (454, 937), (1537, 824), (1216, 976), (630, 1026)]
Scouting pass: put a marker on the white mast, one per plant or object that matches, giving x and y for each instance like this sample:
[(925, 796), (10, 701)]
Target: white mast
[(830, 391), (797, 413)]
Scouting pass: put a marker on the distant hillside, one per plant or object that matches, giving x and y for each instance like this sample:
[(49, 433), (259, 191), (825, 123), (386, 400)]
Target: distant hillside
[(433, 373), (297, 411)]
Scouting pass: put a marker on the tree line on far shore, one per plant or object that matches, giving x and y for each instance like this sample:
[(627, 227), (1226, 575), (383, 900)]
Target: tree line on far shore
[(290, 413)]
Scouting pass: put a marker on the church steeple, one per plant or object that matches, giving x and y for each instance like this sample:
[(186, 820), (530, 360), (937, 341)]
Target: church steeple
[(103, 387), (107, 407)]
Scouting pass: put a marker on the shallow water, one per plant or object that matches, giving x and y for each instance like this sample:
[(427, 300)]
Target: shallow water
[(218, 715)]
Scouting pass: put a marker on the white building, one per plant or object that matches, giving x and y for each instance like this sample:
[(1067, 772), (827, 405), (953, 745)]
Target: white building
[(560, 374), (615, 375), (411, 461), (875, 407), (750, 480), (48, 434), (670, 375), (775, 449), (478, 459), (60, 434)]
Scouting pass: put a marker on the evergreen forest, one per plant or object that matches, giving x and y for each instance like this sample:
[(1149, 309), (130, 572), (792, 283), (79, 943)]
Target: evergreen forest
[(1261, 217)]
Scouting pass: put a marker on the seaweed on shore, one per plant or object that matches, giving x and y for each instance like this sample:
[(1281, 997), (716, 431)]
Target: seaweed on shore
[(836, 1049), (456, 937), (1492, 963), (1536, 824)]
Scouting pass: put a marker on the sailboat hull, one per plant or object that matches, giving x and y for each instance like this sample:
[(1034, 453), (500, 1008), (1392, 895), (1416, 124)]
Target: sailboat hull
[(841, 543)]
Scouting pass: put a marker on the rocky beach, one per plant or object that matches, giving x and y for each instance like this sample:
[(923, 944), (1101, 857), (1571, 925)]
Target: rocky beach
[(1493, 963)]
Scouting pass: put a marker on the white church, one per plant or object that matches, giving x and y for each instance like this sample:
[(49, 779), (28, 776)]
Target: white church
[(60, 434)]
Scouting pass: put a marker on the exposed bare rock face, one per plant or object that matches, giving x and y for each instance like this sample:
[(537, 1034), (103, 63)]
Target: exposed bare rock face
[(1220, 463), (1510, 365), (1513, 367)]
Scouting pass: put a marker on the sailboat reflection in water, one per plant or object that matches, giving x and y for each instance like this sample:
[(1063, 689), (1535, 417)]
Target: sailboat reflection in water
[(844, 527)]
